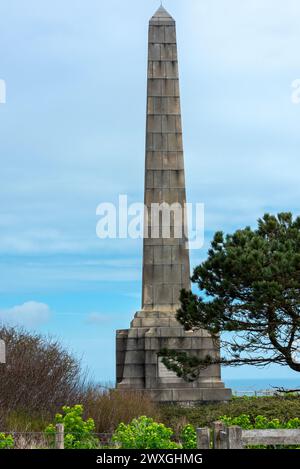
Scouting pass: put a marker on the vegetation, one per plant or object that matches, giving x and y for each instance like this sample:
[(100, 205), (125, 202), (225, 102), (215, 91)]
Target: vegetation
[(78, 433), (281, 408), (39, 373), (109, 407), (6, 441), (188, 437), (250, 290), (260, 422), (144, 433), (174, 426), (38, 378)]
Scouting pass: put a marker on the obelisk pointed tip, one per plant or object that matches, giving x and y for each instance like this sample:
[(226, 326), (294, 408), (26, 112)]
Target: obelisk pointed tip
[(162, 15)]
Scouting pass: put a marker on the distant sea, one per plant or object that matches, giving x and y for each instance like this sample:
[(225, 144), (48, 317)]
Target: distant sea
[(252, 384)]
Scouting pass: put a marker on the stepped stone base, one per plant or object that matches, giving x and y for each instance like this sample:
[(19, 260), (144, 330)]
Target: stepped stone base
[(140, 368)]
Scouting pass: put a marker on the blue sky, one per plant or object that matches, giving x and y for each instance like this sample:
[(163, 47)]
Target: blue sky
[(72, 136)]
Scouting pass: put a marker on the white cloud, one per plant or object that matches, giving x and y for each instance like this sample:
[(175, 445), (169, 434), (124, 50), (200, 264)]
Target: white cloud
[(29, 314), (244, 34), (98, 318), (104, 318)]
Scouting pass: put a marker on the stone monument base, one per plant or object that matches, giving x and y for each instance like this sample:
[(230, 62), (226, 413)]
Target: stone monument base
[(140, 368)]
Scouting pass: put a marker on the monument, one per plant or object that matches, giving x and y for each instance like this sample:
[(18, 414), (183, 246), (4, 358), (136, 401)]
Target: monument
[(166, 266)]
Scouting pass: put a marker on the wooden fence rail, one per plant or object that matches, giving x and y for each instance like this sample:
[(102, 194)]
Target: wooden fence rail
[(234, 437), (271, 437)]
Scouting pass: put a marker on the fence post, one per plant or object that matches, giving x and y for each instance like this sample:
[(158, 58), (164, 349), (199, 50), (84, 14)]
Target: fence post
[(203, 438), (219, 436), (60, 436), (234, 437)]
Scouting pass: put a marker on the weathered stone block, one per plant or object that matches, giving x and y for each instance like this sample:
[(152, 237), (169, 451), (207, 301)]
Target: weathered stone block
[(148, 255), (159, 70), (154, 160), (135, 357), (180, 161), (162, 395), (155, 88), (135, 371), (186, 395), (156, 34), (177, 179), (154, 52), (169, 88), (165, 179), (170, 34), (137, 343), (157, 180), (170, 160), (162, 294), (167, 52), (149, 180), (162, 255), (151, 370), (154, 123), (148, 294), (172, 275), (171, 69), (173, 106), (171, 331), (150, 105), (212, 395), (172, 142)]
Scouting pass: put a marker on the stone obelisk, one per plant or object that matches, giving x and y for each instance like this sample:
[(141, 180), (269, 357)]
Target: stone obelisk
[(166, 266)]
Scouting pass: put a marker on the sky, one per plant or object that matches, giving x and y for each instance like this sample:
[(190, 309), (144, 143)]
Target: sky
[(72, 136)]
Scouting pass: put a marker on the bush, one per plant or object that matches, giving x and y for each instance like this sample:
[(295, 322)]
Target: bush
[(39, 377), (282, 408), (188, 437), (259, 422), (6, 441), (78, 433), (144, 433), (110, 407)]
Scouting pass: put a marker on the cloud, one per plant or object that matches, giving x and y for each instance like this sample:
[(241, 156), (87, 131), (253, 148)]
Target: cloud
[(29, 314), (98, 318), (105, 318)]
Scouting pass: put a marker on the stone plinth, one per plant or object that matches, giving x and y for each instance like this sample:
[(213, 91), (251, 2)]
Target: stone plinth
[(140, 368)]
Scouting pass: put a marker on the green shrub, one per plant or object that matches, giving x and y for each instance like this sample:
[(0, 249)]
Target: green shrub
[(260, 422), (282, 408), (144, 433), (6, 441), (188, 437), (78, 432)]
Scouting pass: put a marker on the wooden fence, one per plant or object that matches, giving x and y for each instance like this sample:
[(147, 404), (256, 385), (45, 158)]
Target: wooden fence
[(222, 437), (235, 437), (255, 393)]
